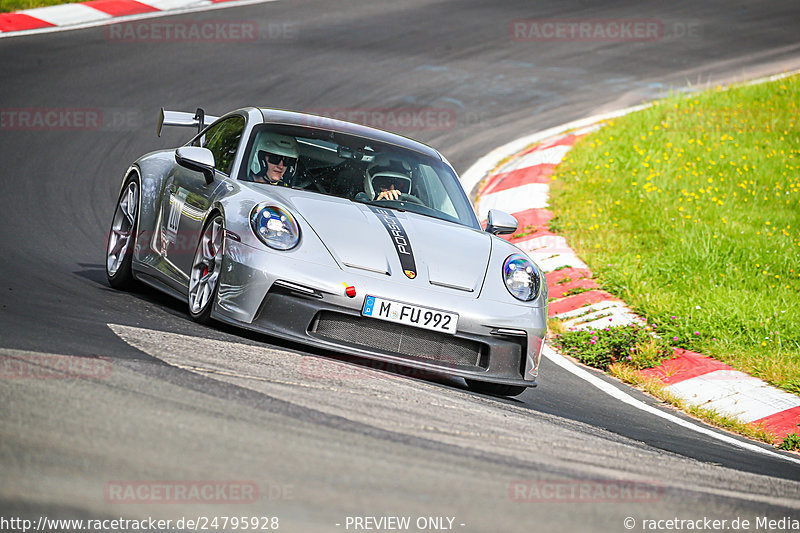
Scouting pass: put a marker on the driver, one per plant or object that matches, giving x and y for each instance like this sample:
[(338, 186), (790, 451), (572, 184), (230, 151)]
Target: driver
[(387, 178), (277, 158), (387, 188)]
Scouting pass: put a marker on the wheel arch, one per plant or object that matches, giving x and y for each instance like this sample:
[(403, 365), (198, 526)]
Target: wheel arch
[(218, 209), (134, 170), (152, 170), (207, 311)]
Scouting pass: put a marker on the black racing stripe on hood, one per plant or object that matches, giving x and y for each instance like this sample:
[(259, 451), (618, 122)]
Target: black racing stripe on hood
[(402, 244)]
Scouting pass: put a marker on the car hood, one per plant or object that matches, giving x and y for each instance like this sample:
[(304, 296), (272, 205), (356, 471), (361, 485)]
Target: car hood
[(445, 254)]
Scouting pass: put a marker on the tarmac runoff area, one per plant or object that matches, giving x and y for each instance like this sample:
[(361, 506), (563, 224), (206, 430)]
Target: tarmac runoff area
[(520, 186)]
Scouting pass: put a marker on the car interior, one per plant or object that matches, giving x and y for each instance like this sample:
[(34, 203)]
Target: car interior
[(359, 172)]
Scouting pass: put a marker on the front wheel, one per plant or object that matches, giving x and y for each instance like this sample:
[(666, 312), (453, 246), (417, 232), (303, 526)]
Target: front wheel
[(122, 238), (495, 389), (206, 267)]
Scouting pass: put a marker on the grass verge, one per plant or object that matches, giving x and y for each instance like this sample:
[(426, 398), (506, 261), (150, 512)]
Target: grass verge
[(636, 346), (791, 442), (15, 5), (690, 212)]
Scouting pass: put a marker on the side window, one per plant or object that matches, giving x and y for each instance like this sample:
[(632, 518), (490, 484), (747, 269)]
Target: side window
[(440, 199), (223, 140)]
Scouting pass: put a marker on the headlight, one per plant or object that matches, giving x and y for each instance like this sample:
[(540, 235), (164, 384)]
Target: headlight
[(275, 227), (521, 277)]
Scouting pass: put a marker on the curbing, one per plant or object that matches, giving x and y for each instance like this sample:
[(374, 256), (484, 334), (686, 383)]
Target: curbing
[(519, 186), (93, 13)]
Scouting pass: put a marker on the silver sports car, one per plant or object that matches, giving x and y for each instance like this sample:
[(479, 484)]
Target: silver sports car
[(332, 234)]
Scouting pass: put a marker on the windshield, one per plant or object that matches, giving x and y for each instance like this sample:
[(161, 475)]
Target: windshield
[(356, 168)]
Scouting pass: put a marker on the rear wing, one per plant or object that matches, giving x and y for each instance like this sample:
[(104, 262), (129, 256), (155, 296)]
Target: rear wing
[(181, 118)]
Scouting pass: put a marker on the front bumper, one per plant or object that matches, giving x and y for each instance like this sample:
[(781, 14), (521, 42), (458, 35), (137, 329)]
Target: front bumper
[(495, 341)]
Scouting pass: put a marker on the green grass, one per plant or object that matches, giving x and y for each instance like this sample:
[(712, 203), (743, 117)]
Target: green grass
[(634, 345), (690, 211), (791, 442), (16, 5)]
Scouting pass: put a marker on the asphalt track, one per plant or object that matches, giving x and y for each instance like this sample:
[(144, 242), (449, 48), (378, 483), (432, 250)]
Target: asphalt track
[(325, 437)]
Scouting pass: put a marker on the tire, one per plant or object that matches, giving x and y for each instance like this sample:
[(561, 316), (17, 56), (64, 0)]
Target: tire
[(122, 237), (495, 389), (206, 268)]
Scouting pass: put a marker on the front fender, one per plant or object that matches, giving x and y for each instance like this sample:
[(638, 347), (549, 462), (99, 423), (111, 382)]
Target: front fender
[(237, 202), (152, 169)]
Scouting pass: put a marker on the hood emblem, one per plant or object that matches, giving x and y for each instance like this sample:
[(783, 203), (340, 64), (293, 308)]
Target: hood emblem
[(410, 274)]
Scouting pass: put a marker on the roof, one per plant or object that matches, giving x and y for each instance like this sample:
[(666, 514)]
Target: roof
[(293, 118)]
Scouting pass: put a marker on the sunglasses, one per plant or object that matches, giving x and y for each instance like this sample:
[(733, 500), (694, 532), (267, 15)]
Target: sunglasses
[(275, 159), (387, 184)]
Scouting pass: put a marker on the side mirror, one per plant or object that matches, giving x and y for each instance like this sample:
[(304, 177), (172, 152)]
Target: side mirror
[(499, 223), (197, 159)]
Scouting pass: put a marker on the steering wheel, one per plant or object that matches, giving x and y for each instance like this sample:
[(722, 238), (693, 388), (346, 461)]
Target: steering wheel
[(410, 198), (404, 198)]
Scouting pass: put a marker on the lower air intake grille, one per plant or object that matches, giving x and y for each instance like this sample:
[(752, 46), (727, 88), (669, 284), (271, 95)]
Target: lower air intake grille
[(396, 338)]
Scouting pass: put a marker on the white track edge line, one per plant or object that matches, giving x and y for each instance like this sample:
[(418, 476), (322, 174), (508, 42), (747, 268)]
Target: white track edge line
[(133, 18), (626, 398)]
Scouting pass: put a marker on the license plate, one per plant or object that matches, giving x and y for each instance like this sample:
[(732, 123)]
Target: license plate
[(411, 315)]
